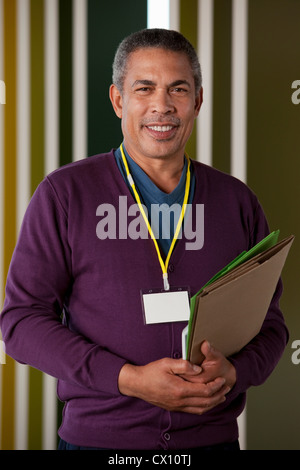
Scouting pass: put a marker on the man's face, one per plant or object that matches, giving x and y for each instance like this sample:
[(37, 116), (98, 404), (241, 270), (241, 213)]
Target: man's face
[(158, 105)]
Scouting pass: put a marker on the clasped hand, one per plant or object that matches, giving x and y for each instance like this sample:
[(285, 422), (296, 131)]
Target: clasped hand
[(178, 385)]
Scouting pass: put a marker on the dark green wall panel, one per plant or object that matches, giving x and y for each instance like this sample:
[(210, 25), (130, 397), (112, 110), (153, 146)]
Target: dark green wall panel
[(222, 84), (108, 24), (273, 411)]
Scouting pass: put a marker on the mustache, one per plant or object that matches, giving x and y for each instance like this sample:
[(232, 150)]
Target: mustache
[(175, 121)]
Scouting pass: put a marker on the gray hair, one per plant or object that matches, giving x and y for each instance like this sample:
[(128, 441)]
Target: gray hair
[(157, 38)]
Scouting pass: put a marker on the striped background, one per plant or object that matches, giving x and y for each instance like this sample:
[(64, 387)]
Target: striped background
[(55, 59)]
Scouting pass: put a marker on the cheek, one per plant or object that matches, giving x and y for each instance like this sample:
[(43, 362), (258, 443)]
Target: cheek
[(130, 127)]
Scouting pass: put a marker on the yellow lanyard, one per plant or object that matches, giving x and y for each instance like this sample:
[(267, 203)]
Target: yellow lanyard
[(164, 266)]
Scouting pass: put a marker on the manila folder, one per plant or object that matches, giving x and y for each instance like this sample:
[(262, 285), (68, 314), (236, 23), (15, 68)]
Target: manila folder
[(230, 312)]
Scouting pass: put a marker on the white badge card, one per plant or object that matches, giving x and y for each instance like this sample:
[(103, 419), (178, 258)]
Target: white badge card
[(166, 306)]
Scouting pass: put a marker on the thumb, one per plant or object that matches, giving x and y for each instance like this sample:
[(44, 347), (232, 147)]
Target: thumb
[(208, 350), (183, 367)]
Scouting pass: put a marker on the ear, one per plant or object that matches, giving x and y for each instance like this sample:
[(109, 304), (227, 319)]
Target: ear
[(116, 100), (198, 102)]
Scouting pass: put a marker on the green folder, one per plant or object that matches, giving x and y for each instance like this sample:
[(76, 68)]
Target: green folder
[(266, 243)]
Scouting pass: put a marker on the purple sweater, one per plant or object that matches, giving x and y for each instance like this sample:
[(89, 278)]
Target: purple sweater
[(60, 263)]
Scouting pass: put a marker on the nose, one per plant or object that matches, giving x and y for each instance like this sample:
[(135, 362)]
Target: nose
[(162, 102)]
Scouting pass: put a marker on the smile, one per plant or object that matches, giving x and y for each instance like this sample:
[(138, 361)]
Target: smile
[(160, 128)]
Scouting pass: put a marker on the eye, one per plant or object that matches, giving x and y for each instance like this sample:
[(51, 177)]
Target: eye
[(179, 90), (143, 90)]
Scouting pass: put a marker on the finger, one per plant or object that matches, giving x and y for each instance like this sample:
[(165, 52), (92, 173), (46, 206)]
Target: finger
[(200, 390), (200, 405), (203, 407), (182, 367), (213, 387)]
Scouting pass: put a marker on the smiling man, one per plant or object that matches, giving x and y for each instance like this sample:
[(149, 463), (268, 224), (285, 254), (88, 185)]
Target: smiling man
[(157, 111), (117, 357)]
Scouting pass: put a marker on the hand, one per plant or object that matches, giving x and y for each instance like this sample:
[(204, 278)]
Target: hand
[(215, 365), (173, 384)]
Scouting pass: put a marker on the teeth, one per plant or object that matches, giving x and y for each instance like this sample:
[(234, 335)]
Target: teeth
[(161, 128)]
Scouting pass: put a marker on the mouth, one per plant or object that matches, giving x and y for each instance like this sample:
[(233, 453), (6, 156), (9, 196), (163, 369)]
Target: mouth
[(161, 132)]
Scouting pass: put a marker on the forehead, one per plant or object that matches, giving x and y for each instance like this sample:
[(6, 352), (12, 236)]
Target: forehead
[(150, 63)]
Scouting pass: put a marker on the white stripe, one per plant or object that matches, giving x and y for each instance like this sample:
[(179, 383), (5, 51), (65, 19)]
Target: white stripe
[(158, 15), (21, 405), (2, 92), (49, 401), (205, 51), (51, 86), (23, 193), (49, 413), (239, 88), (239, 119), (79, 79), (174, 14)]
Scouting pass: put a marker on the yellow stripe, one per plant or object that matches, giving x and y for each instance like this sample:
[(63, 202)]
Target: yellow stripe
[(8, 371)]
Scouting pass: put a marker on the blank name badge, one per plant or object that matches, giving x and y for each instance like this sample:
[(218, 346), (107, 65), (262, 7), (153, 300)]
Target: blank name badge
[(166, 306)]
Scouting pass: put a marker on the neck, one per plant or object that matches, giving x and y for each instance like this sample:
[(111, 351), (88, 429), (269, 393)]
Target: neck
[(164, 172)]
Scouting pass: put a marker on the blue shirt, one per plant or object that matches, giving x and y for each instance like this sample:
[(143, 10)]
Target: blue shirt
[(163, 219)]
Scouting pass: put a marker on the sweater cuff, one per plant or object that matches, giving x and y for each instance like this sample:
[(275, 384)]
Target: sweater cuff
[(104, 375)]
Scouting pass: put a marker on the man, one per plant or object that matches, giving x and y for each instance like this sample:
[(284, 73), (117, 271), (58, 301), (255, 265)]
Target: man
[(122, 378)]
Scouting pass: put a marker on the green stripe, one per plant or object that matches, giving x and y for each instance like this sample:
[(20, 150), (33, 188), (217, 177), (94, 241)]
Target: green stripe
[(8, 370), (222, 84), (65, 81), (108, 24), (189, 28)]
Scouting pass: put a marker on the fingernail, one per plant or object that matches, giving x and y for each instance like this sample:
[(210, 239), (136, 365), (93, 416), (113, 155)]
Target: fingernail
[(197, 368)]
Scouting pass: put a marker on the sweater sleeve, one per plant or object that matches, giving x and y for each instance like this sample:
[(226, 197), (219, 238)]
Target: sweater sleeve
[(257, 360), (39, 278)]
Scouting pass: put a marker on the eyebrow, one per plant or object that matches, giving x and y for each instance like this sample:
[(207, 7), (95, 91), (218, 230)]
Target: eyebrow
[(151, 83)]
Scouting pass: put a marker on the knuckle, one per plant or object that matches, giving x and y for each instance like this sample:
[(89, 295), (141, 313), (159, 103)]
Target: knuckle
[(207, 392), (179, 392)]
